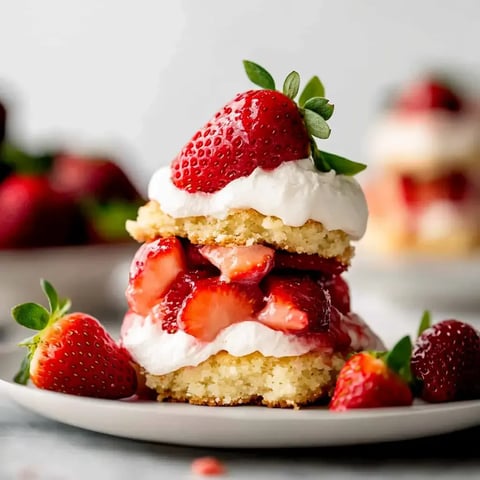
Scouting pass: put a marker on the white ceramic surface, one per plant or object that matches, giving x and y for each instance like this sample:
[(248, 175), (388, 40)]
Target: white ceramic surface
[(88, 275), (237, 427)]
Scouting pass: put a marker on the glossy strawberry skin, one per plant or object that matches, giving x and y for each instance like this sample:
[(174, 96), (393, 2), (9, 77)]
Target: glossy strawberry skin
[(446, 359), (295, 304), (33, 215), (166, 311), (258, 128), (367, 382), (339, 292), (308, 262), (153, 269), (77, 356)]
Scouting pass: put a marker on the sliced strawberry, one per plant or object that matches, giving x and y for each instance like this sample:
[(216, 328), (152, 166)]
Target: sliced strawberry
[(153, 269), (195, 260), (72, 352), (308, 262), (214, 305), (339, 292), (166, 312), (240, 263), (295, 304)]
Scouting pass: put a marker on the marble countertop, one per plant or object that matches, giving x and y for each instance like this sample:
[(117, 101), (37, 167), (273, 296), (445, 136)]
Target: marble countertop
[(35, 448)]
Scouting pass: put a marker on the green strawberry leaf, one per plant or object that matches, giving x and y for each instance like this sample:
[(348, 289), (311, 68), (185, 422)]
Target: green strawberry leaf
[(31, 315), (23, 162), (313, 88), (258, 75), (50, 293), (64, 305), (321, 106), (425, 322), (316, 125), (108, 218), (23, 374), (342, 165), (291, 85), (319, 160), (398, 358)]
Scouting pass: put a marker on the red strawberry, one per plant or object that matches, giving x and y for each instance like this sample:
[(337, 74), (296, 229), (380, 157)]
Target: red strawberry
[(240, 263), (153, 269), (92, 177), (72, 353), (33, 215), (258, 128), (339, 292), (195, 260), (429, 94), (214, 305), (308, 262), (166, 312), (446, 359), (295, 305), (374, 380)]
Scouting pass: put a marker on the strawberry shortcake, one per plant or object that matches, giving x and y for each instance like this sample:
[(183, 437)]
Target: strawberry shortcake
[(424, 189), (236, 294)]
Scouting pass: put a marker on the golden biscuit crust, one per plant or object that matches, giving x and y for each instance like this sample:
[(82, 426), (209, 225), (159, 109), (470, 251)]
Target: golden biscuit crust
[(242, 227), (226, 380)]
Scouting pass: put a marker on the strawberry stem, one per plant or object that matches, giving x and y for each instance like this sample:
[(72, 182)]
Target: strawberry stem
[(315, 110), (37, 317), (425, 322)]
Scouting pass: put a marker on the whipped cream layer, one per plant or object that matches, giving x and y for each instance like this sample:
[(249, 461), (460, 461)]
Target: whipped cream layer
[(295, 192), (160, 352), (412, 140)]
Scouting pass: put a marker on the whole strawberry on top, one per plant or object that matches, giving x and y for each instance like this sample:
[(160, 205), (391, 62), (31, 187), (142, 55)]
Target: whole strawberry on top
[(72, 352), (375, 379), (259, 128), (446, 360)]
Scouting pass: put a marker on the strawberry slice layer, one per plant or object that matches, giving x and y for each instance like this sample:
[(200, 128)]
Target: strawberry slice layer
[(339, 292), (308, 262), (166, 312), (240, 263), (214, 305), (153, 269), (295, 304)]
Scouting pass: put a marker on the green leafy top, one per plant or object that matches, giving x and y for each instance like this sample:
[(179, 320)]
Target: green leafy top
[(315, 110), (37, 317)]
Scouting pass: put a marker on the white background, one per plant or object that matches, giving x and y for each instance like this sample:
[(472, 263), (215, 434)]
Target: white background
[(139, 77)]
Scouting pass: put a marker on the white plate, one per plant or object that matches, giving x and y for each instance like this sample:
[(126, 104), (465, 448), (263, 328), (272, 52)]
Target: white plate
[(86, 274), (237, 427), (426, 281)]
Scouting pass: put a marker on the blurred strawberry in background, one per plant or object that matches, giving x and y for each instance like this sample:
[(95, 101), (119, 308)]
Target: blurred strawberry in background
[(61, 198)]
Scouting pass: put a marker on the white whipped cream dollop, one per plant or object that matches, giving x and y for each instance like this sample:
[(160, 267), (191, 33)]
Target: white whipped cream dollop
[(411, 141), (295, 192), (160, 352)]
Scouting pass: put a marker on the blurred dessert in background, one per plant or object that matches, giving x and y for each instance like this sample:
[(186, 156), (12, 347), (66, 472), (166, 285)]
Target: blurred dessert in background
[(424, 194), (61, 198)]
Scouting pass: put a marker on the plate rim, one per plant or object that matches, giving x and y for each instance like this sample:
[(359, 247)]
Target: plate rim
[(264, 417)]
